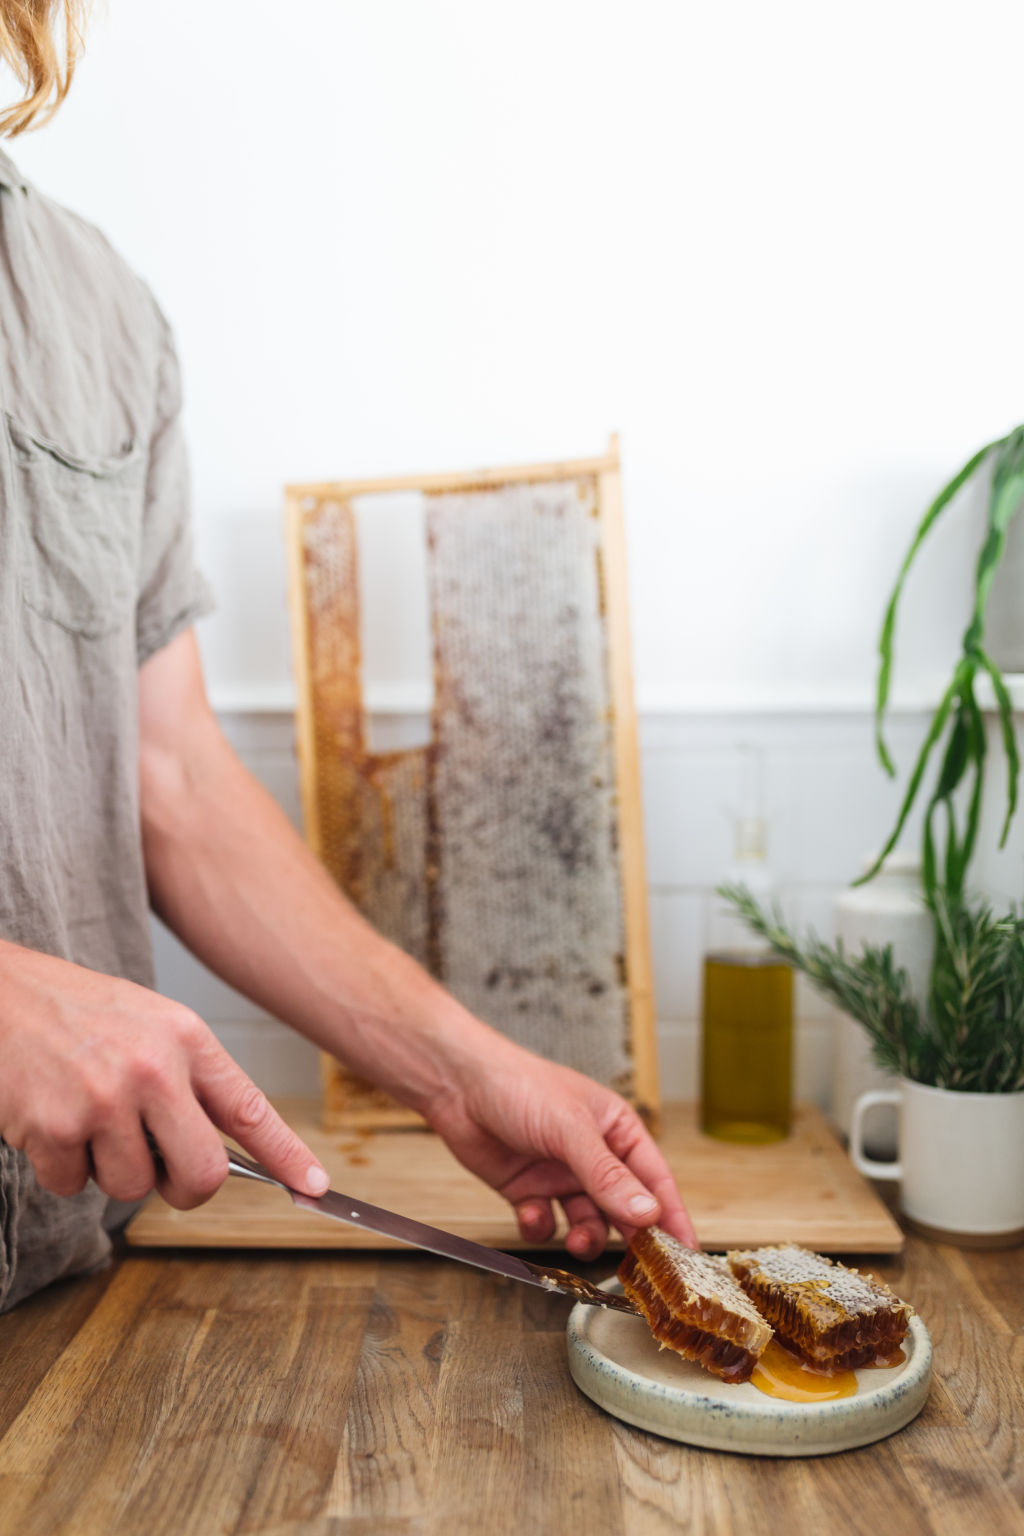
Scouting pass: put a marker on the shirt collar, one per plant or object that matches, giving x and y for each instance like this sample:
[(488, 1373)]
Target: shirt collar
[(10, 176)]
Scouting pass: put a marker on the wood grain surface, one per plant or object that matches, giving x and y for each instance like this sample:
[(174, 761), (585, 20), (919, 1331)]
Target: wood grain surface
[(350, 1394), (803, 1189)]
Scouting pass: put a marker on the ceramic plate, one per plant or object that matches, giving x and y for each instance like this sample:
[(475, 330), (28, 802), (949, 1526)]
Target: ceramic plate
[(616, 1361)]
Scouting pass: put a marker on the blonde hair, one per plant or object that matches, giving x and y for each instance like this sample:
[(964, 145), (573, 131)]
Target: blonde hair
[(41, 41)]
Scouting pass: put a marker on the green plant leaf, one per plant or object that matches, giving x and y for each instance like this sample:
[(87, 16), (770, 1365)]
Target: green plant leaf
[(1005, 707), (951, 771), (965, 749), (954, 876), (978, 749), (1004, 503), (966, 746), (929, 878), (954, 763), (935, 731), (885, 643)]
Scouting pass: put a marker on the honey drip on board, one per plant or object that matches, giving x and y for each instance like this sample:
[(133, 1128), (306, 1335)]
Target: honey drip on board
[(780, 1374)]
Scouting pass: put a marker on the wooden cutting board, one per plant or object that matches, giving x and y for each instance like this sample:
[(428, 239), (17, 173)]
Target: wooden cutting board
[(803, 1189)]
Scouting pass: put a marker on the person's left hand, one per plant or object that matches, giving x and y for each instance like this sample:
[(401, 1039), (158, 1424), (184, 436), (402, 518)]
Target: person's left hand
[(539, 1132)]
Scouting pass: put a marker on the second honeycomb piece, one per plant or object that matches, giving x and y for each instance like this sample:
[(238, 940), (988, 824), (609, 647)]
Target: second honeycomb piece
[(831, 1317)]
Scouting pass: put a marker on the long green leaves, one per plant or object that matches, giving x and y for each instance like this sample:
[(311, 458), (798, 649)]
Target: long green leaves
[(967, 1036), (1004, 502), (1005, 706), (964, 756), (935, 731), (885, 643)]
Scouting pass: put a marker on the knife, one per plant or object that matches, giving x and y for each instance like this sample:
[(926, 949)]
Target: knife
[(358, 1213)]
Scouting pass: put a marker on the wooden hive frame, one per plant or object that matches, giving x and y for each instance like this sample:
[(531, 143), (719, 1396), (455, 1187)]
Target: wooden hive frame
[(351, 1107)]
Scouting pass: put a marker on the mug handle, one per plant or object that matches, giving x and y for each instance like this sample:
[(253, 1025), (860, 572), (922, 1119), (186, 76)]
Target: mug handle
[(861, 1161)]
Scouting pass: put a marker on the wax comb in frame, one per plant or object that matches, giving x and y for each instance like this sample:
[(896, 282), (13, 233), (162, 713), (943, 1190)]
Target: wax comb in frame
[(506, 853)]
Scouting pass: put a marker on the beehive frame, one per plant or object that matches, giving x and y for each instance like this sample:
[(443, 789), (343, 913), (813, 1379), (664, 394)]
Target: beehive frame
[(349, 1103)]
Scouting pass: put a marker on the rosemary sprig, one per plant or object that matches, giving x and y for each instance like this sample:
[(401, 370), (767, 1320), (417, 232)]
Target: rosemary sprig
[(968, 1036)]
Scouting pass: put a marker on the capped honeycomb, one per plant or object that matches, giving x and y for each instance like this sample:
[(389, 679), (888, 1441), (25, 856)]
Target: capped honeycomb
[(833, 1318), (693, 1305)]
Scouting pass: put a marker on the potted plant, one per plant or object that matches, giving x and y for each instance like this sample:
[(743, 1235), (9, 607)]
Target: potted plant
[(957, 1053), (958, 1056), (957, 735)]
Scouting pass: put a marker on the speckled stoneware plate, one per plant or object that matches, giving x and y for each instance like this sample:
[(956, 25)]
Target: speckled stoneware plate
[(616, 1361)]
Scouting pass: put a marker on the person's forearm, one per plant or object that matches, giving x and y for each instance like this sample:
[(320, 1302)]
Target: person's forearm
[(232, 878)]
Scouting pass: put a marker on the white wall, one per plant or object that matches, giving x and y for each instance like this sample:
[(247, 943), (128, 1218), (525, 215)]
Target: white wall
[(776, 246)]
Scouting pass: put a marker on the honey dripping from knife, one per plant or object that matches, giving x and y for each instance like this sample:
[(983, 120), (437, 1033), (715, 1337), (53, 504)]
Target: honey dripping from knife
[(779, 1373)]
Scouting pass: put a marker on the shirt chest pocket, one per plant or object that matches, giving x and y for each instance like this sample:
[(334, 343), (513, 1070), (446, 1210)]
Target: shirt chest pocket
[(81, 519)]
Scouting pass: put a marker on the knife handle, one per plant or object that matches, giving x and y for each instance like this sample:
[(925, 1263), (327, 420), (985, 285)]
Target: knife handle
[(249, 1168), (244, 1167)]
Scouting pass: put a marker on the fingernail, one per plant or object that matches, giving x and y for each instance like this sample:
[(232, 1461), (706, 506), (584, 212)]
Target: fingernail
[(642, 1205), (317, 1180)]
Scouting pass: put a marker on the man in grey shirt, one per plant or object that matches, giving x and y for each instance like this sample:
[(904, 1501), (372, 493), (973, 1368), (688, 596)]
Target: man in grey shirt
[(118, 792)]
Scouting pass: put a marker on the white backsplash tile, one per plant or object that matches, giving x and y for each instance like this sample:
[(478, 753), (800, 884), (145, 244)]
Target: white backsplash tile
[(677, 944), (845, 806), (687, 802), (812, 1062), (814, 911), (679, 1060)]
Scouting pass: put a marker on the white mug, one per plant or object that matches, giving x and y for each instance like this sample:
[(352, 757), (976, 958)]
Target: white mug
[(961, 1161)]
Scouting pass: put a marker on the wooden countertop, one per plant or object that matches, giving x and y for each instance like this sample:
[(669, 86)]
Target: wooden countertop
[(389, 1395)]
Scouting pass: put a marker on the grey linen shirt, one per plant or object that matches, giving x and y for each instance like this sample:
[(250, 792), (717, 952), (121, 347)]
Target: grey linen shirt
[(96, 574)]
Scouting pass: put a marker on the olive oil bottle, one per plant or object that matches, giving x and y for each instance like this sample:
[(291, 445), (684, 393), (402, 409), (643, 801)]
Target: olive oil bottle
[(746, 1015), (747, 1040)]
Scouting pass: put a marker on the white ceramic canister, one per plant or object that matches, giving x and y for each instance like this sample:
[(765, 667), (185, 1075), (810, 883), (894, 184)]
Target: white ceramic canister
[(888, 910)]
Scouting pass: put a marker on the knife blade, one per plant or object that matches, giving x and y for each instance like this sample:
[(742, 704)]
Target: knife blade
[(404, 1229)]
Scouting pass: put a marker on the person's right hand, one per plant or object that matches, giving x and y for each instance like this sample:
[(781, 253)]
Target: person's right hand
[(91, 1063)]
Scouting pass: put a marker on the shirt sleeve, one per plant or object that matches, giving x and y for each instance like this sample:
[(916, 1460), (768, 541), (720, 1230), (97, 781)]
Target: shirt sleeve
[(172, 593)]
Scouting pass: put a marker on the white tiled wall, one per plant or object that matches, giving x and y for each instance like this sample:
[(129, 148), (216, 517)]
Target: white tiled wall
[(828, 804)]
